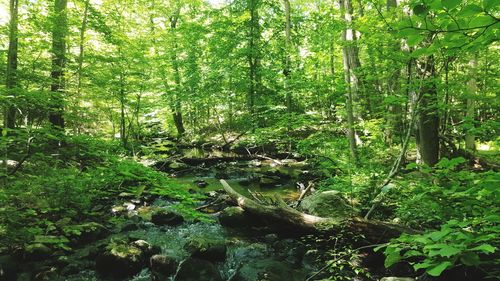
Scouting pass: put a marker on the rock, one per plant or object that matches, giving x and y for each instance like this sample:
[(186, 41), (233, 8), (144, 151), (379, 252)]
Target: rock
[(121, 260), (37, 251), (8, 268), (244, 182), (291, 250), (268, 270), (269, 181), (193, 269), (201, 183), (326, 204), (162, 267), (165, 217), (397, 279), (234, 217), (177, 166), (208, 249)]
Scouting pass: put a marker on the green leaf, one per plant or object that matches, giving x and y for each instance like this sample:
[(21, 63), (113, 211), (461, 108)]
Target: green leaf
[(438, 269), (470, 259), (449, 251), (480, 21), (485, 248), (414, 40), (422, 265), (490, 4), (470, 10), (420, 10), (438, 235), (450, 4), (391, 259)]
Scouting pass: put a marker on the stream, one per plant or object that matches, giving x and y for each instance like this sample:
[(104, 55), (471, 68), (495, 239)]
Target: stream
[(250, 253)]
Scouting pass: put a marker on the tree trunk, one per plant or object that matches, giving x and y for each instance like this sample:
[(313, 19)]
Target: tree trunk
[(123, 130), (253, 55), (80, 58), (11, 74), (59, 31), (285, 217), (428, 125), (349, 55), (177, 106), (470, 138), (287, 69)]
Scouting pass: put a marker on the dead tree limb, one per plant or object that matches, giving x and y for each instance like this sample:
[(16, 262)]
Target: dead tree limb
[(282, 215)]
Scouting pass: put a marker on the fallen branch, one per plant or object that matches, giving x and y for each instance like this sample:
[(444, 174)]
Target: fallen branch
[(285, 216)]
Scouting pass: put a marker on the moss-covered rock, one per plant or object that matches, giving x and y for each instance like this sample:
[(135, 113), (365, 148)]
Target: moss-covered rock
[(327, 204)]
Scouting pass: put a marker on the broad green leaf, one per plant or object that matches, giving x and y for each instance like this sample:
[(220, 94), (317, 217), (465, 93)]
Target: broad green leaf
[(438, 269), (450, 4), (449, 251), (420, 10), (485, 248), (490, 4), (481, 21), (438, 235), (391, 259), (422, 265), (414, 40), (470, 10), (470, 259)]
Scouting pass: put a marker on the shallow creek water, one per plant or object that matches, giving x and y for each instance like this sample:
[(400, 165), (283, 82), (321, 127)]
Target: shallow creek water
[(251, 252)]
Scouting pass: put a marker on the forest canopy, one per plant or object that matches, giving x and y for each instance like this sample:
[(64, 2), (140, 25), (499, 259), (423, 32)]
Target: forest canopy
[(376, 116)]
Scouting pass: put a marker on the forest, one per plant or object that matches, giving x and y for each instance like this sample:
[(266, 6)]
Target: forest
[(249, 140)]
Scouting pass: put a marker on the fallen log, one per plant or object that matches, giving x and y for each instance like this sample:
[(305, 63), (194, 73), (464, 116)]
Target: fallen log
[(287, 217)]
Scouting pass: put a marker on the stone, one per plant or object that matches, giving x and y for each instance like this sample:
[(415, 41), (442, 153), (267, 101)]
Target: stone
[(121, 260), (193, 269), (201, 183), (8, 267), (176, 166), (208, 249), (397, 279), (269, 181), (327, 204), (268, 270), (234, 217), (162, 267), (166, 217)]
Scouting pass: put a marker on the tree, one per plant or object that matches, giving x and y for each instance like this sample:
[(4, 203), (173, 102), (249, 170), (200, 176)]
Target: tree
[(350, 59), (470, 139), (11, 75), (59, 31)]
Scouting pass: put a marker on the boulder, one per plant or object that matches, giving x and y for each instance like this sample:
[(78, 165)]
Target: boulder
[(234, 217), (269, 270), (326, 204), (162, 267), (397, 279), (122, 260), (8, 268), (208, 249), (166, 217), (193, 269), (269, 181)]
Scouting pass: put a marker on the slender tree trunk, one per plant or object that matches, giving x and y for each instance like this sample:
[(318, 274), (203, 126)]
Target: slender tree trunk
[(123, 128), (470, 138), (287, 69), (253, 55), (59, 31), (177, 106), (80, 58), (428, 125), (349, 58), (11, 73)]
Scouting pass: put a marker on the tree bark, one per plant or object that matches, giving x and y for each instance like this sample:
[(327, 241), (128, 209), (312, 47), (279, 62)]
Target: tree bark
[(177, 106), (470, 138), (287, 68), (253, 54), (81, 57), (59, 31), (11, 73), (350, 59), (286, 217), (428, 125)]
